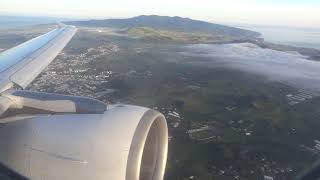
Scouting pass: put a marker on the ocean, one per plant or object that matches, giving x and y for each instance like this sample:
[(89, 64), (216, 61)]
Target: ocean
[(300, 37), (8, 22)]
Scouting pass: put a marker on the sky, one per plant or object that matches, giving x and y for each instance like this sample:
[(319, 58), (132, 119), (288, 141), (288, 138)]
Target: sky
[(294, 13)]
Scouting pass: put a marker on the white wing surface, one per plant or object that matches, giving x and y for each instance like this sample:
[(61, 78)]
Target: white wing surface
[(22, 64)]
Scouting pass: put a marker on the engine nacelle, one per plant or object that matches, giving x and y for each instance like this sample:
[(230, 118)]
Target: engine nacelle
[(123, 143)]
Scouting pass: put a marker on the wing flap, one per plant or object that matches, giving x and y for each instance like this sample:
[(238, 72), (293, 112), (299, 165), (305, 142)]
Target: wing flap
[(22, 64)]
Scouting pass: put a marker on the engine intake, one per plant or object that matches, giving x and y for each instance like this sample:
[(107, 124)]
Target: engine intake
[(148, 152)]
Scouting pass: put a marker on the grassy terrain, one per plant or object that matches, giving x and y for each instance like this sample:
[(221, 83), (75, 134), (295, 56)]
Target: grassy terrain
[(148, 33), (259, 104)]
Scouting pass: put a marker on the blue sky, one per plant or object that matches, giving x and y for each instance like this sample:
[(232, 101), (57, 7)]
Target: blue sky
[(298, 13)]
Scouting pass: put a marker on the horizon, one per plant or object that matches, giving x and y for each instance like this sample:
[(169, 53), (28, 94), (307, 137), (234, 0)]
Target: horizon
[(284, 13), (233, 24)]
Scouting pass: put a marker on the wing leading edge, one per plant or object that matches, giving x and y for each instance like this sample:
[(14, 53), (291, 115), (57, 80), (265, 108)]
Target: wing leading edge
[(22, 64)]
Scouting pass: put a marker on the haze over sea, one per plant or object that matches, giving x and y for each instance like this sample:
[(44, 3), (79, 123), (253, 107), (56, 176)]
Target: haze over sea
[(300, 37), (8, 22)]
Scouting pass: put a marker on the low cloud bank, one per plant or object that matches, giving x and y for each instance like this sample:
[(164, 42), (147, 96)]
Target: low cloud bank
[(288, 67)]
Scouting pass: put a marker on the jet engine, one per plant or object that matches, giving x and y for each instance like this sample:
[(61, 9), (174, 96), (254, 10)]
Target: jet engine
[(123, 142)]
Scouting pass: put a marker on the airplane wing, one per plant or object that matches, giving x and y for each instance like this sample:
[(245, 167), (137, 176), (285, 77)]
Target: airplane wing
[(22, 64)]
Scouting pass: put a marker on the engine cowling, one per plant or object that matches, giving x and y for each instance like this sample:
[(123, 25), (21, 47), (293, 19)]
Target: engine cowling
[(124, 143)]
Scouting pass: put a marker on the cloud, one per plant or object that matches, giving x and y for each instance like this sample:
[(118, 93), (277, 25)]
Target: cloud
[(291, 68)]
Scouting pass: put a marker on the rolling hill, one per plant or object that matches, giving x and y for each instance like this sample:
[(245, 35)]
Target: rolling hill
[(167, 23)]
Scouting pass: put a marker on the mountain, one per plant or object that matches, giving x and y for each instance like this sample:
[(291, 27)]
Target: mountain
[(169, 23)]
